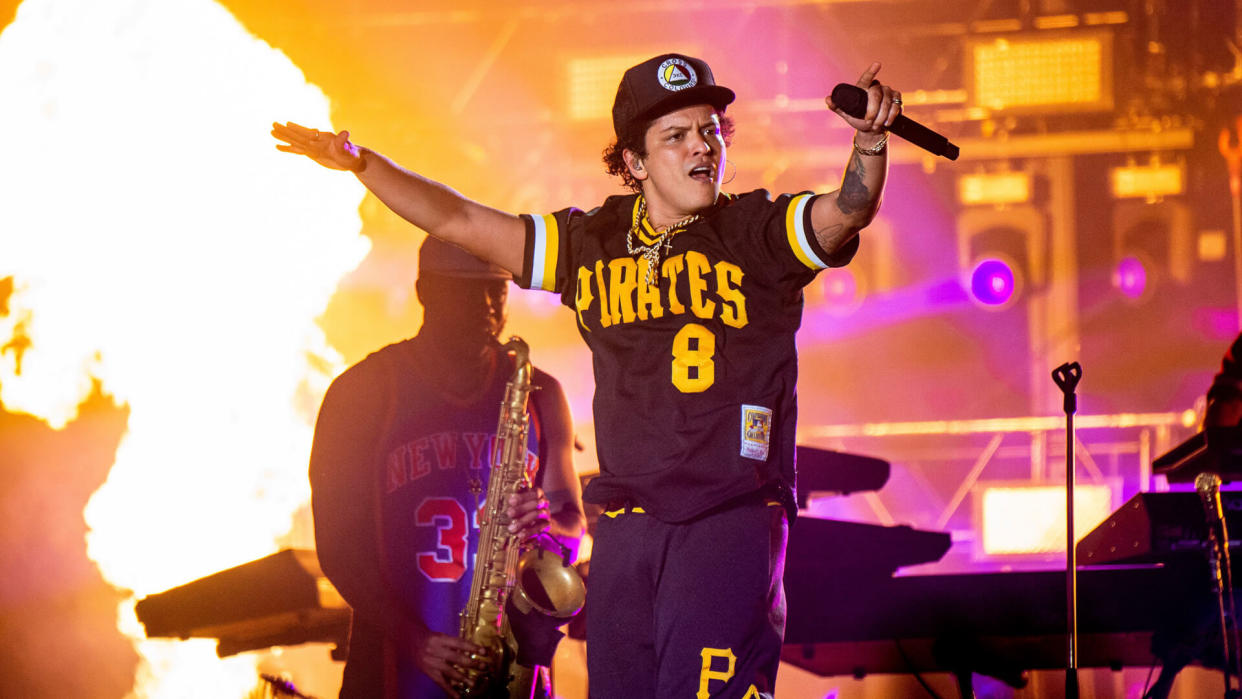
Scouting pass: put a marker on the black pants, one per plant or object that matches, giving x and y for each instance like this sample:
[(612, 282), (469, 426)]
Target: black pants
[(694, 609)]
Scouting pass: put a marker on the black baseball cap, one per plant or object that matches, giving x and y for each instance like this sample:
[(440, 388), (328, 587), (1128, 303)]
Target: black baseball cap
[(447, 260), (663, 84)]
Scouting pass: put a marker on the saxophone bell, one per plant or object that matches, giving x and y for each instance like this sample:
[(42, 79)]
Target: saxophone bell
[(547, 583)]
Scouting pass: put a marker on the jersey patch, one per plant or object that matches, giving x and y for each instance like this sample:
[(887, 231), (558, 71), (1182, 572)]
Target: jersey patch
[(756, 431)]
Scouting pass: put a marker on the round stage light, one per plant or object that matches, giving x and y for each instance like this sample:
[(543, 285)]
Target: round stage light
[(992, 282), (1130, 277), (838, 291), (840, 287)]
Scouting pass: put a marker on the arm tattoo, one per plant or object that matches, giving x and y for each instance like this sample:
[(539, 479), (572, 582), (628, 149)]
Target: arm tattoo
[(827, 236), (854, 196)]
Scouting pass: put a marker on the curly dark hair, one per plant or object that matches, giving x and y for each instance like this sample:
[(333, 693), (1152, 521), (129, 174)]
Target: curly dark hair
[(634, 139)]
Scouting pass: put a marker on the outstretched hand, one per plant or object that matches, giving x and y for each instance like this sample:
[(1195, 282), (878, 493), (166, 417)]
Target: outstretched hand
[(331, 150), (883, 104)]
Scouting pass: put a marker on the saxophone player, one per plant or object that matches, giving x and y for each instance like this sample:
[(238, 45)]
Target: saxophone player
[(400, 438)]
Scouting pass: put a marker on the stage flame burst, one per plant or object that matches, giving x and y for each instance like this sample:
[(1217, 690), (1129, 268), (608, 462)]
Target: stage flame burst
[(158, 243)]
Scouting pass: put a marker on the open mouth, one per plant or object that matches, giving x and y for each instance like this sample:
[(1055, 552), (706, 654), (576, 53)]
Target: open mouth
[(702, 173)]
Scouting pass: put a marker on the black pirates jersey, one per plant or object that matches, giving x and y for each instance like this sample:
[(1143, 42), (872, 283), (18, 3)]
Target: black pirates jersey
[(696, 371)]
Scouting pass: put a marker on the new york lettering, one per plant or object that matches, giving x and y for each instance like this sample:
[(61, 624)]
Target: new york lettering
[(409, 462)]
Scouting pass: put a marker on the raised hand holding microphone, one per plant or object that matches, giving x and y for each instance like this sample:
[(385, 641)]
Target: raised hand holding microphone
[(872, 115), (859, 101)]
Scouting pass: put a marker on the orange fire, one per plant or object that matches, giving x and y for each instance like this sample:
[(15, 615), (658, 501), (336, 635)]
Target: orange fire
[(159, 244)]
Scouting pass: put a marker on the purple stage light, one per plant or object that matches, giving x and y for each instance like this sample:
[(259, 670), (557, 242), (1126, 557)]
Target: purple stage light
[(1216, 324), (992, 282), (1130, 277), (840, 287)]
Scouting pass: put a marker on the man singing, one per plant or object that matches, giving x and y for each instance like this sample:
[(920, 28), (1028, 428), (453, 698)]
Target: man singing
[(689, 300)]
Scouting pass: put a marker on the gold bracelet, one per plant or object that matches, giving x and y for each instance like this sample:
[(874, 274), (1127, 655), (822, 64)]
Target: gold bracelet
[(877, 149)]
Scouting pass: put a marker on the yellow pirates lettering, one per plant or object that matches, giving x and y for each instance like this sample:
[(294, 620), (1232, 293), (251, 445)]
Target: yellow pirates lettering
[(696, 267), (691, 283), (648, 296), (728, 288), (582, 300), (604, 318), (621, 286), (707, 674), (669, 270)]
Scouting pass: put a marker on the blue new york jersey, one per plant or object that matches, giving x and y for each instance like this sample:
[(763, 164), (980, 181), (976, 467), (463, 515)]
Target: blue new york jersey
[(434, 449)]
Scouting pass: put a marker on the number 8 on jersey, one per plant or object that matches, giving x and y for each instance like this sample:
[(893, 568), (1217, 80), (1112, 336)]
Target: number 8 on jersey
[(694, 371)]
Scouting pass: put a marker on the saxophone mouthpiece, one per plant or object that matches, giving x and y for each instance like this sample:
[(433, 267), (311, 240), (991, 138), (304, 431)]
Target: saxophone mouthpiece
[(518, 348)]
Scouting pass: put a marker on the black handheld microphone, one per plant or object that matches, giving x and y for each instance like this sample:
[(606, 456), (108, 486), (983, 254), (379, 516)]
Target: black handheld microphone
[(853, 101)]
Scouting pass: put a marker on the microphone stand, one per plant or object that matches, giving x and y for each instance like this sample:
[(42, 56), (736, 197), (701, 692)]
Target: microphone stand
[(1067, 377), (1208, 486)]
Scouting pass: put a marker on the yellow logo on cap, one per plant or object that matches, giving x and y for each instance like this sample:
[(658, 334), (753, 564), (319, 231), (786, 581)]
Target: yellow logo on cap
[(675, 74)]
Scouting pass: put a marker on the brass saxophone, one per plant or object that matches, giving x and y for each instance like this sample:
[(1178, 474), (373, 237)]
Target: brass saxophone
[(501, 567)]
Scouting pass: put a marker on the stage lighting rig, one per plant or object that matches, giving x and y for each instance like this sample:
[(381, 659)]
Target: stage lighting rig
[(1152, 245), (1042, 72), (1000, 235), (995, 188), (1001, 253), (1020, 518)]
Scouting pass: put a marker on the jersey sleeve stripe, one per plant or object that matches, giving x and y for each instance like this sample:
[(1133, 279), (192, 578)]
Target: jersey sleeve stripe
[(545, 244), (797, 229)]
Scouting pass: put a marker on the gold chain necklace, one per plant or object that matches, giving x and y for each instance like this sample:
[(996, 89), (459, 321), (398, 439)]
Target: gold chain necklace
[(663, 241)]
